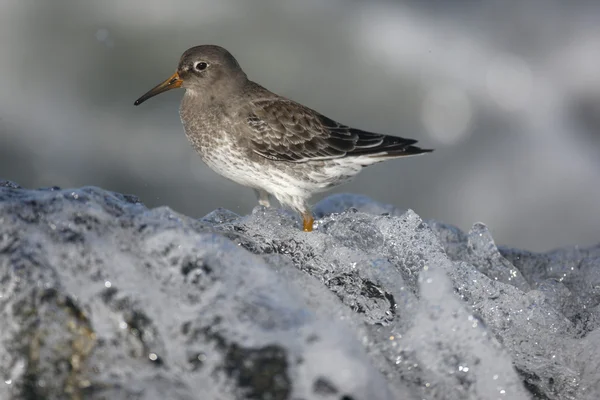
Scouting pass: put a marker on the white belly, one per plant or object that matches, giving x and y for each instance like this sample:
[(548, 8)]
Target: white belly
[(291, 183)]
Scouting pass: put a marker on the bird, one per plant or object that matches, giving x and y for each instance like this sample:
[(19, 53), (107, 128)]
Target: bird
[(265, 141)]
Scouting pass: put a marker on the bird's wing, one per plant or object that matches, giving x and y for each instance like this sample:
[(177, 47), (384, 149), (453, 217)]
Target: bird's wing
[(283, 130)]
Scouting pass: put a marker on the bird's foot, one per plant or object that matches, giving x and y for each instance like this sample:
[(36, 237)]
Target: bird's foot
[(307, 222), (263, 198), (265, 203)]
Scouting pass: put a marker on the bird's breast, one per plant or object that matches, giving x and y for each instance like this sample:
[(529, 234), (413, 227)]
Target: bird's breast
[(206, 129), (211, 134)]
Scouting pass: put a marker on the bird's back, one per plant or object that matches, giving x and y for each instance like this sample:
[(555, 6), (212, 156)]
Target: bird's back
[(280, 129)]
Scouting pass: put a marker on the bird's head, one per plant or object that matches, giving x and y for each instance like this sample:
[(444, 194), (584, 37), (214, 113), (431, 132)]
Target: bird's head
[(205, 70)]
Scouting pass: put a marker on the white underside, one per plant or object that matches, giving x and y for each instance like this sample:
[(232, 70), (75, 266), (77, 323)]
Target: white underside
[(292, 184)]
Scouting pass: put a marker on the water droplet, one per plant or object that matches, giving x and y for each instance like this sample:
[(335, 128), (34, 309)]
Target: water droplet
[(102, 35)]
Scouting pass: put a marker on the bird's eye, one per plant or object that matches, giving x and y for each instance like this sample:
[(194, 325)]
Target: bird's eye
[(200, 66)]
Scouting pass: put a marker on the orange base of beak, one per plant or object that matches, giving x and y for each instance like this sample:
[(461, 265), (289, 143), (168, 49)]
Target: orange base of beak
[(173, 82)]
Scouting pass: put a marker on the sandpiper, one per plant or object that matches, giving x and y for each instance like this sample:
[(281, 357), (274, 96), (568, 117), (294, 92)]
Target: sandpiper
[(265, 141)]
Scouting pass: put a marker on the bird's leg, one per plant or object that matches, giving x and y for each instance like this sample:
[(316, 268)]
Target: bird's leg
[(263, 197), (307, 221)]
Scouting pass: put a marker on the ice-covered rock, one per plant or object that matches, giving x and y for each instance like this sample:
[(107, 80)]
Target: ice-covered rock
[(101, 297)]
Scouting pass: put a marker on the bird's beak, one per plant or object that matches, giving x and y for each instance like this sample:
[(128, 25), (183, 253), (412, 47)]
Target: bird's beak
[(172, 83)]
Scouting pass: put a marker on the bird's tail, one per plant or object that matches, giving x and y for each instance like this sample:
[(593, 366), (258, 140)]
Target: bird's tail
[(390, 147)]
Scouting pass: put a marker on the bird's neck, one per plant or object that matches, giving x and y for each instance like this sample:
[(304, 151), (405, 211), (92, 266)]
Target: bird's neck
[(194, 102), (198, 109)]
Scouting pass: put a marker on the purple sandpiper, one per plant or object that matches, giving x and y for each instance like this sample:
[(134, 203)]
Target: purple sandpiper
[(265, 141)]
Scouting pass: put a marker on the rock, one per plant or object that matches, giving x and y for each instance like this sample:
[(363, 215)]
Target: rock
[(101, 297)]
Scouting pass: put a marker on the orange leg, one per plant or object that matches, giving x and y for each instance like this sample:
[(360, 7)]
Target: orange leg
[(307, 220)]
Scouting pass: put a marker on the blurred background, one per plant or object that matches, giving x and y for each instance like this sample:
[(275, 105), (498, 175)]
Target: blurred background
[(506, 91)]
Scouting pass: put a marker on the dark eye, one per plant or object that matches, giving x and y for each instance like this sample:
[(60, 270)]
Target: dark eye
[(200, 66)]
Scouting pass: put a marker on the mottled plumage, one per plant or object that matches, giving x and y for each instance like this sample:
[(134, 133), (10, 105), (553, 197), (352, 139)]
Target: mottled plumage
[(267, 142)]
